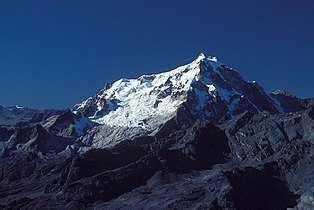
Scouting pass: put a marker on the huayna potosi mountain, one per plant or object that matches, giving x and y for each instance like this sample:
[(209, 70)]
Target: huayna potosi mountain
[(204, 89), (207, 87), (196, 137)]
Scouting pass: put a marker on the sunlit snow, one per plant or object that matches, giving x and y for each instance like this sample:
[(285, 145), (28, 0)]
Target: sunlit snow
[(132, 102)]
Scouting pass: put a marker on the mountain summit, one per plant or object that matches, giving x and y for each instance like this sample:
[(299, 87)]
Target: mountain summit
[(204, 88)]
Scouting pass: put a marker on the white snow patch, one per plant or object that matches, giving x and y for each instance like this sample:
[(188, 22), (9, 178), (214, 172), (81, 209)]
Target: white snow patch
[(213, 59), (211, 88), (80, 125)]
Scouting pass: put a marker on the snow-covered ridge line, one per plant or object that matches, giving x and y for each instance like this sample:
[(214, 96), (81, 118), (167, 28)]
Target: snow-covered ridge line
[(209, 87), (129, 102)]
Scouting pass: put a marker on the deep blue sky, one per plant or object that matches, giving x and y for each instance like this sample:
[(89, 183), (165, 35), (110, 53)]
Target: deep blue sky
[(55, 53)]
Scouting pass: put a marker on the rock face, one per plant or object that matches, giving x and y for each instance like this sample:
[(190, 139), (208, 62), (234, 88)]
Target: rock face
[(307, 200), (289, 102), (197, 137)]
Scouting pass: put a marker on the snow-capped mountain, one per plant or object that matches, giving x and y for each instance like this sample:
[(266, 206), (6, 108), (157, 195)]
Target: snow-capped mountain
[(196, 137), (205, 88)]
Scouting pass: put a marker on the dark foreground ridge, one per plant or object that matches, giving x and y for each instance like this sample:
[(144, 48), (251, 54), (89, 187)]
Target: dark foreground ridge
[(253, 155)]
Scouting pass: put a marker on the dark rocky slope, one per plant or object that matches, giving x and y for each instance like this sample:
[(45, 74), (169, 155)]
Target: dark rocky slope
[(251, 159)]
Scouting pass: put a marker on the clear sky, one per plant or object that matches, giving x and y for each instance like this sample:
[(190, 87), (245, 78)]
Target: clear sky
[(56, 53)]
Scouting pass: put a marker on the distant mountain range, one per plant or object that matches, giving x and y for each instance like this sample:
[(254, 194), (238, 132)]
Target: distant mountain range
[(196, 137)]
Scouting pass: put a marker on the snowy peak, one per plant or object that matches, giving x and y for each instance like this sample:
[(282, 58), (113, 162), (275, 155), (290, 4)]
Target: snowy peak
[(205, 87), (132, 102), (200, 57)]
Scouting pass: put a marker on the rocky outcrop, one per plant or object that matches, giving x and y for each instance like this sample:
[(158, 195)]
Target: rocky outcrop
[(306, 202), (104, 174)]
